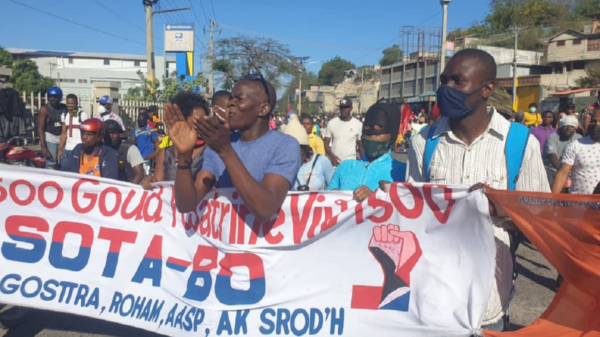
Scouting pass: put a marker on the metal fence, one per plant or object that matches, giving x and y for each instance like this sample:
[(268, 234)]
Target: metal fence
[(128, 110)]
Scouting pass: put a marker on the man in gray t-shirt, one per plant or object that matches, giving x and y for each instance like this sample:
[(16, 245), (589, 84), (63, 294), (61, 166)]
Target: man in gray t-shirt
[(557, 143)]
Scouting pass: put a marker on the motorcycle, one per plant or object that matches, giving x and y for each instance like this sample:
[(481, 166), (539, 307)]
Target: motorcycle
[(13, 152)]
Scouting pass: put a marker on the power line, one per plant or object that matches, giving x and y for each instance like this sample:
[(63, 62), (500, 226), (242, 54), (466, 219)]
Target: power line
[(394, 39), (77, 23), (194, 10), (203, 12), (212, 7), (323, 45), (118, 15)]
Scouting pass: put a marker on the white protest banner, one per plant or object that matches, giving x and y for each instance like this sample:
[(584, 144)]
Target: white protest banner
[(417, 261)]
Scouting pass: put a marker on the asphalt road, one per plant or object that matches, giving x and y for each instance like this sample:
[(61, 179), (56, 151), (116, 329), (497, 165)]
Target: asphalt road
[(534, 292)]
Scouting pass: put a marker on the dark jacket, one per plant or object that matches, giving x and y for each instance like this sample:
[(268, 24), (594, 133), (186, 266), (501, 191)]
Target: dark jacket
[(108, 158)]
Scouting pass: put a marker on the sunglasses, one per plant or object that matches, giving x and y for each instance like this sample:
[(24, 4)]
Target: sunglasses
[(259, 77)]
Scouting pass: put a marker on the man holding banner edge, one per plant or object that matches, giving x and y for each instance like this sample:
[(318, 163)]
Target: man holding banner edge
[(478, 135)]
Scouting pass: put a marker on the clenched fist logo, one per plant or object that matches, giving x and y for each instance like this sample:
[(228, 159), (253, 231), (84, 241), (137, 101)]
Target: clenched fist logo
[(397, 252)]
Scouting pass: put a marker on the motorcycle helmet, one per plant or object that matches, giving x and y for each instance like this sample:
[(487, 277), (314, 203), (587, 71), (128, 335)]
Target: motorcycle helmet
[(55, 91), (92, 125)]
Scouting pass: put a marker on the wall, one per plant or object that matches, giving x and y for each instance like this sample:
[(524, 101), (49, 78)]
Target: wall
[(506, 55), (78, 77), (416, 80), (506, 70), (570, 52), (559, 82)]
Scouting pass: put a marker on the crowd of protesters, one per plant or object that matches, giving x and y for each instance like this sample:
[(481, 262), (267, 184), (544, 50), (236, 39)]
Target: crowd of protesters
[(238, 140)]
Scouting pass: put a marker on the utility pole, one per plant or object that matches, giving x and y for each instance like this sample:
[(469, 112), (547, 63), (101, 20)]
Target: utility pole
[(442, 65), (150, 35), (300, 94), (149, 39), (514, 101), (362, 87), (211, 56), (300, 61)]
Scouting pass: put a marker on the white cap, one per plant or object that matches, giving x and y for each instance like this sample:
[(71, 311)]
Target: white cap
[(568, 121), (296, 130)]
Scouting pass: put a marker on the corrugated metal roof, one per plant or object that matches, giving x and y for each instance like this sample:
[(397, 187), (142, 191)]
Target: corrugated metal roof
[(81, 54)]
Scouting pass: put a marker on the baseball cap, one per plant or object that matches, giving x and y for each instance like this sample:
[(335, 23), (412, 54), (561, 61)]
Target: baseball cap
[(106, 100), (346, 102), (568, 121), (111, 126)]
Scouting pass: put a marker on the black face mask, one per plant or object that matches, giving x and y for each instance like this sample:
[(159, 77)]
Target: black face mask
[(594, 132), (143, 120), (377, 117)]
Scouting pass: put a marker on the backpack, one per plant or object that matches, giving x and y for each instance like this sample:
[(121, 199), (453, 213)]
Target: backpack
[(516, 142), (125, 169), (66, 114)]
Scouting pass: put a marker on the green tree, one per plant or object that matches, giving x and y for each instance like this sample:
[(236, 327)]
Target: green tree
[(153, 91), (26, 77), (308, 79), (590, 80), (584, 8), (332, 71), (134, 94), (242, 55), (505, 14), (6, 58), (391, 55)]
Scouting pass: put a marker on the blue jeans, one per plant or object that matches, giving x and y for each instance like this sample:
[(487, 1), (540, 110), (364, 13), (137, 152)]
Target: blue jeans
[(66, 157), (52, 148)]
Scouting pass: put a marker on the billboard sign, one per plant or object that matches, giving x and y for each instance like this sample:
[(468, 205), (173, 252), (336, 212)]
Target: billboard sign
[(179, 37)]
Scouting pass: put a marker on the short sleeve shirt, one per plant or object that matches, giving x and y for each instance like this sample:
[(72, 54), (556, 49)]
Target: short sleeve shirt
[(144, 138), (273, 153), (134, 157), (344, 136), (557, 147), (353, 174), (584, 156), (72, 123), (321, 173)]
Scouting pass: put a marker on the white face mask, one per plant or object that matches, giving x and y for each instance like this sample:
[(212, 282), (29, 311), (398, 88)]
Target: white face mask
[(102, 109)]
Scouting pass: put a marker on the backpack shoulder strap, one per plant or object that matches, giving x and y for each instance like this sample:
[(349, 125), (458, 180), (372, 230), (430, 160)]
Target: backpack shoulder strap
[(430, 146), (516, 143)]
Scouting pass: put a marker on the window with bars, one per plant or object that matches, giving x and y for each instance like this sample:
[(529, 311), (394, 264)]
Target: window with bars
[(560, 43)]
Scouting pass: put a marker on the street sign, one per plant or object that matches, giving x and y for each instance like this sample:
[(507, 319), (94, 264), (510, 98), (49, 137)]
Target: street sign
[(179, 37)]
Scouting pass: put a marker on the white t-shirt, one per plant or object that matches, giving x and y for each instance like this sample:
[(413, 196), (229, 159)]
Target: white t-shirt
[(134, 157), (584, 155), (344, 136), (73, 133)]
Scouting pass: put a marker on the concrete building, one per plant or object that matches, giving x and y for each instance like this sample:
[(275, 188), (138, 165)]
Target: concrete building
[(570, 54), (410, 81), (77, 72)]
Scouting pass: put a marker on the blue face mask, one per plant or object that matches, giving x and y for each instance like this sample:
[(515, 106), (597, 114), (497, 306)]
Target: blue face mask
[(452, 102)]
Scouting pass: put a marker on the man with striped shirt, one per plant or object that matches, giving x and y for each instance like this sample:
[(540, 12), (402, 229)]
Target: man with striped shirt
[(471, 151)]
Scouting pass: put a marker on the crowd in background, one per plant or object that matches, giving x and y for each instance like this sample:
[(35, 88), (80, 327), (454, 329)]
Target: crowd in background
[(238, 141)]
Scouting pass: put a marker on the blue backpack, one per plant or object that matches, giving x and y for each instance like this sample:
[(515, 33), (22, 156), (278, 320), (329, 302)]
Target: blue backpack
[(516, 142)]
